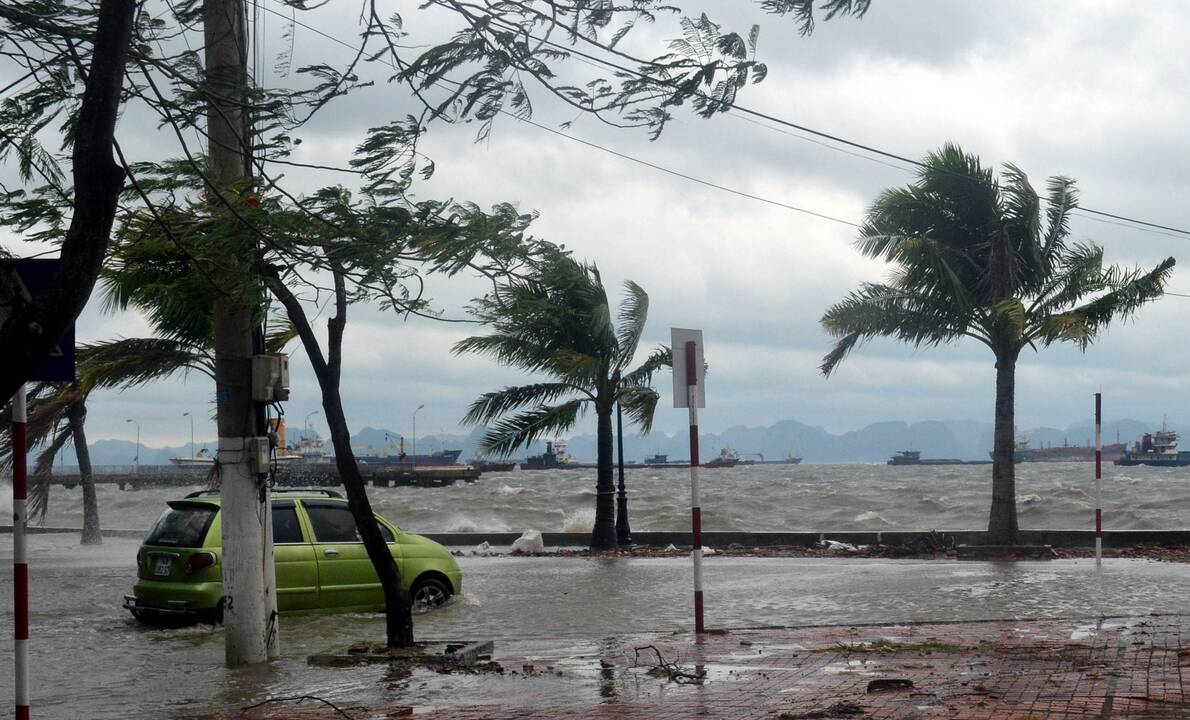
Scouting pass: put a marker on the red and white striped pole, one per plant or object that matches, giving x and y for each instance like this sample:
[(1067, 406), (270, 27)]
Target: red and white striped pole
[(20, 560), (1098, 479), (695, 508)]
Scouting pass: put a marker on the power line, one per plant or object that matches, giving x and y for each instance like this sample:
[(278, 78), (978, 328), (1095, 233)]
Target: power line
[(1115, 219), (803, 128)]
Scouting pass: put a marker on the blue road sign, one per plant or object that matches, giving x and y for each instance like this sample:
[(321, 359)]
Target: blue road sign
[(20, 280)]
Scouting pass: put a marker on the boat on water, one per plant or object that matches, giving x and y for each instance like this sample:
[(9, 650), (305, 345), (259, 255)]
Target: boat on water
[(442, 457), (555, 457), (1023, 452), (484, 465), (202, 459), (1158, 449), (790, 459), (727, 458), (913, 457)]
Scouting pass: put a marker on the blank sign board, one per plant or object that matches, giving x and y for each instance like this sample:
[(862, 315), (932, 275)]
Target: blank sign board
[(678, 339)]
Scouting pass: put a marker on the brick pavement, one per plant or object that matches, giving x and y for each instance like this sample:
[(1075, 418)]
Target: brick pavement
[(1019, 670)]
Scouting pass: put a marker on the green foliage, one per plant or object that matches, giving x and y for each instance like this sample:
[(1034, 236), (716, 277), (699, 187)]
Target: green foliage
[(504, 48), (556, 320), (977, 256)]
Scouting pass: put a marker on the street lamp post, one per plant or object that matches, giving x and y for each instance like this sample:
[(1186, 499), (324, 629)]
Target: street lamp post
[(136, 460), (186, 414), (306, 432), (419, 407)]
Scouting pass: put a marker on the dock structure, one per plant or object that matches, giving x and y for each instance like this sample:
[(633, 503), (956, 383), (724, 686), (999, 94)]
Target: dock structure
[(295, 475)]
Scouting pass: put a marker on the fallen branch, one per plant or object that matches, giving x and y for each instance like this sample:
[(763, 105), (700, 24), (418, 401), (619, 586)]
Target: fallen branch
[(298, 699), (674, 672)]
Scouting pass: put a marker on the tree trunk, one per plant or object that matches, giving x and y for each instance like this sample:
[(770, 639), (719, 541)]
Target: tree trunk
[(1002, 523), (398, 603), (29, 335), (603, 534), (78, 417)]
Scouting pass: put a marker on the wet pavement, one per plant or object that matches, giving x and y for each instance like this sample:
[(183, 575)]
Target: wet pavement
[(1022, 670), (90, 660)]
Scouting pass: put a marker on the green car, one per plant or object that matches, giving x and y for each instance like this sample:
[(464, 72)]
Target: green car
[(321, 563)]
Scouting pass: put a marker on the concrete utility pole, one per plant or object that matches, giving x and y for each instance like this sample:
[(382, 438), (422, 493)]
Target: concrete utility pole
[(250, 602)]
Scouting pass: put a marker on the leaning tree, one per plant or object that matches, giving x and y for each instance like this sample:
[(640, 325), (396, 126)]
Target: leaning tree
[(984, 257)]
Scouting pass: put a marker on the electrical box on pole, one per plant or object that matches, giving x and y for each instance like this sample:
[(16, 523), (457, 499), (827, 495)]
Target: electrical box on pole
[(270, 378)]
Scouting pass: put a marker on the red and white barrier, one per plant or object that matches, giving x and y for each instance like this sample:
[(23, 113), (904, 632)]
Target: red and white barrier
[(695, 506), (1098, 479), (20, 561)]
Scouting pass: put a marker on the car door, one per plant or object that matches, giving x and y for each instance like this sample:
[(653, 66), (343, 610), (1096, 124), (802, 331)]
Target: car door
[(293, 553), (346, 578)]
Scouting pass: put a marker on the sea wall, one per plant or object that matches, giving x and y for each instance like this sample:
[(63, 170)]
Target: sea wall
[(1056, 538)]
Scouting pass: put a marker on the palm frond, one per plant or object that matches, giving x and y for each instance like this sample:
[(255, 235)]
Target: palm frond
[(128, 362), (1130, 290), (279, 337), (639, 403), (661, 357), (1061, 199), (506, 436), (634, 311), (490, 406)]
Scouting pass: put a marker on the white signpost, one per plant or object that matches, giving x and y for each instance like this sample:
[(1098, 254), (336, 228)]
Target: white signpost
[(689, 373)]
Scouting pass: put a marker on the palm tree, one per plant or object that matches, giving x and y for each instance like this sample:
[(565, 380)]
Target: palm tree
[(57, 412), (976, 256), (156, 278), (556, 320)]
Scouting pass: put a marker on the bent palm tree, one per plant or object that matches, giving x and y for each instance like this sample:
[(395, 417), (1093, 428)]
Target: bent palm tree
[(976, 256), (557, 320)]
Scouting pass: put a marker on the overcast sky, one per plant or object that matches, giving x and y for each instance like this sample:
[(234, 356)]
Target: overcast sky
[(1090, 89)]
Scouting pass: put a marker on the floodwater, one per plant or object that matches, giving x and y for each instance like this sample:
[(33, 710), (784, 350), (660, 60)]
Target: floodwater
[(91, 660), (759, 497)]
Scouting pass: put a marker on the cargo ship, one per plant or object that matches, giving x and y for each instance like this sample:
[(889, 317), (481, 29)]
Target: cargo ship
[(1065, 452), (555, 457), (484, 465), (727, 458), (443, 457), (1158, 449), (913, 457)]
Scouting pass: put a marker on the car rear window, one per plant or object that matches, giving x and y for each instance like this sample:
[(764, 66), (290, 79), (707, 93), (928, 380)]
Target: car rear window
[(182, 526)]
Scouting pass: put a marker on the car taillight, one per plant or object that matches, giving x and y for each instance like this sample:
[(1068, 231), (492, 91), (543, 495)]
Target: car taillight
[(200, 561)]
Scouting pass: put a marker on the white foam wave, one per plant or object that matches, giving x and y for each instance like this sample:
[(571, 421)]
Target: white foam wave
[(871, 516), (578, 520), (508, 490)]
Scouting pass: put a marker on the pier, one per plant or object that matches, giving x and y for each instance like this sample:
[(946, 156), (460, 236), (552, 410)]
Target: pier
[(303, 475)]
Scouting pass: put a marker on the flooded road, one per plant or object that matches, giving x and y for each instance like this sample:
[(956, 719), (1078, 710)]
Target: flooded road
[(90, 660)]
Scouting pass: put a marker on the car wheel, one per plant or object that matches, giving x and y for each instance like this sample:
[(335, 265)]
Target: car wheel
[(428, 593)]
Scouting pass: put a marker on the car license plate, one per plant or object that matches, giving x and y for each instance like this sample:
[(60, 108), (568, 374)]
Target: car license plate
[(162, 566)]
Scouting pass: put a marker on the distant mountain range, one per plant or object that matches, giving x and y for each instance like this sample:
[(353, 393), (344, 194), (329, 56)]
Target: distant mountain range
[(875, 443)]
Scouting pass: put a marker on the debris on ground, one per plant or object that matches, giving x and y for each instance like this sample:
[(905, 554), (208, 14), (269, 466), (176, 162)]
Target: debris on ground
[(671, 671), (529, 543), (838, 710), (887, 684)]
